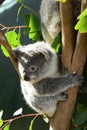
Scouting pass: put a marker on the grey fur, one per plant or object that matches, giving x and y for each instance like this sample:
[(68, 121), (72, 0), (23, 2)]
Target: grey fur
[(43, 87), (50, 19)]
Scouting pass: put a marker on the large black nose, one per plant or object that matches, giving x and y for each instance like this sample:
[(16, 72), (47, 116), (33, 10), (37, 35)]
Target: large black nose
[(26, 76)]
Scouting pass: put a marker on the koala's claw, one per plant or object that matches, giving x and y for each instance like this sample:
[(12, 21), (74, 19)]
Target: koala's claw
[(76, 79), (63, 96), (74, 73)]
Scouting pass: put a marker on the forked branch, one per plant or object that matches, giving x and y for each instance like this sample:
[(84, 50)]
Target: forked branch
[(73, 60)]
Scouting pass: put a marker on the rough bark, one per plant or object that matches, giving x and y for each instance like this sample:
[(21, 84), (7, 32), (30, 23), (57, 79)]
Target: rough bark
[(66, 11), (75, 62)]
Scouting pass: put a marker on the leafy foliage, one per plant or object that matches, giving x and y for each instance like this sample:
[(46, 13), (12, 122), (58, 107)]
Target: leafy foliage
[(7, 127), (26, 21), (82, 23), (81, 117), (34, 26), (56, 45), (80, 120), (1, 122), (13, 39)]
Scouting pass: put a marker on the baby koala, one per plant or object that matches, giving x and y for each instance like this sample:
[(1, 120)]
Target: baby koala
[(41, 83)]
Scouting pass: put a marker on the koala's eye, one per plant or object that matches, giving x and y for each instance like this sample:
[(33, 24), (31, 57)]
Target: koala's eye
[(32, 68)]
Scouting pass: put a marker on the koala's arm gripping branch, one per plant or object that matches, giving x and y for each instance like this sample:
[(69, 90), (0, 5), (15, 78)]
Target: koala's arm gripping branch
[(3, 41), (73, 61)]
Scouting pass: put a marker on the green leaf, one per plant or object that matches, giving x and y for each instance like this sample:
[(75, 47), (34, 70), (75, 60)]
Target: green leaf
[(82, 25), (7, 127), (81, 107), (19, 36), (1, 122), (34, 26), (4, 51), (19, 10), (56, 45), (26, 21), (81, 117), (13, 40), (83, 14), (31, 124)]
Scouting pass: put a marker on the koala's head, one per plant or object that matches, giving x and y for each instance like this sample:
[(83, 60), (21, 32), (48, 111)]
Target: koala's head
[(35, 61)]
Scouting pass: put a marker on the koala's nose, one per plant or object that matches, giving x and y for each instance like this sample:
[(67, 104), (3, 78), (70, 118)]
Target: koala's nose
[(26, 76)]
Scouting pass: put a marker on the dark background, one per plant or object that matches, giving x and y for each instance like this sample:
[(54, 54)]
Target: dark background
[(11, 98)]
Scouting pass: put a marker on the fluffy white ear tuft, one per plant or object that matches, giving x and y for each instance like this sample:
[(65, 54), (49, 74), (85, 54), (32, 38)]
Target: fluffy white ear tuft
[(47, 55)]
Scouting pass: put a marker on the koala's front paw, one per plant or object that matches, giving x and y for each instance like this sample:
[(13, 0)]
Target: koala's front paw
[(76, 79)]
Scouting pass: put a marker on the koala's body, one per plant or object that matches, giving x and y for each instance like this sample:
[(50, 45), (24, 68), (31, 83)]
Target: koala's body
[(41, 83), (50, 19)]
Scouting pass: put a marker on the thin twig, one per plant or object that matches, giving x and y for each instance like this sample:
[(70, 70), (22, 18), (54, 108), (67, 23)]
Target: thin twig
[(4, 125), (19, 117), (22, 116), (28, 8), (12, 27)]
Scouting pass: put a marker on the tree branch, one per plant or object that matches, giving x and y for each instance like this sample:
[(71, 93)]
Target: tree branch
[(79, 56), (3, 27), (59, 121), (3, 41), (63, 115), (7, 122), (66, 11)]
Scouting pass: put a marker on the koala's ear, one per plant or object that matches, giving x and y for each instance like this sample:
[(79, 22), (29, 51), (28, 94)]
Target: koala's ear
[(47, 55), (16, 52)]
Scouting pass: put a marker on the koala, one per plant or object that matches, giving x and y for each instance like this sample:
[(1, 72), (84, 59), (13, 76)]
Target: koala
[(50, 19), (41, 84)]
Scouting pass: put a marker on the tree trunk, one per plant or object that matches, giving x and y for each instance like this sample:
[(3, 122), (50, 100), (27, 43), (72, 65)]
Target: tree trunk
[(73, 60)]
